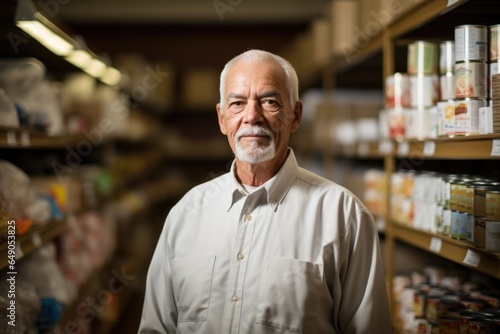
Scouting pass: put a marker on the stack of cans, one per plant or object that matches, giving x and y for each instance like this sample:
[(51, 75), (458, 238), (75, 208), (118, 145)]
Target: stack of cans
[(446, 104), (423, 72), (491, 116), (471, 77)]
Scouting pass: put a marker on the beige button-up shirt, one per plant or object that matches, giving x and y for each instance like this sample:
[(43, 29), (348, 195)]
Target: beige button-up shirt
[(300, 254)]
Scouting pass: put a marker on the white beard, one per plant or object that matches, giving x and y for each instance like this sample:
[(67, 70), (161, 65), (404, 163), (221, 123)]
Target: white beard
[(253, 153)]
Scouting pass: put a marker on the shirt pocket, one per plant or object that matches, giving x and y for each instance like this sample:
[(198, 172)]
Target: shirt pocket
[(192, 283), (288, 294)]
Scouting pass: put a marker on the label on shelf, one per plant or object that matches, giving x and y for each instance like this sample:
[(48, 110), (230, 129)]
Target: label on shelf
[(403, 148), (472, 258), (495, 148), (452, 2), (429, 148), (11, 138), (435, 244)]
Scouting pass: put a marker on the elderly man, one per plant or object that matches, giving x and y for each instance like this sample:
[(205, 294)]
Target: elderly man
[(268, 247)]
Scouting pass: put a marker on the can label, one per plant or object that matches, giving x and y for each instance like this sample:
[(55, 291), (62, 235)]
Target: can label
[(492, 236), (459, 225), (416, 123), (446, 227), (493, 70), (471, 80), (446, 57), (397, 91), (467, 115), (494, 42), (447, 86), (471, 43), (493, 205), (396, 121), (422, 58), (424, 90)]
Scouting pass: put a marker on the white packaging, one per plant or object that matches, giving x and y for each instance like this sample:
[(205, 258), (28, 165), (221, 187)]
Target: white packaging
[(485, 120)]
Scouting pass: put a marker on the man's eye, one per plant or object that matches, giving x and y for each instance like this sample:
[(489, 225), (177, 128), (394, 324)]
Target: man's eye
[(270, 104)]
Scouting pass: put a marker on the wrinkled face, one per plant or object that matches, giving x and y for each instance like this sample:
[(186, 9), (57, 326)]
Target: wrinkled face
[(257, 116)]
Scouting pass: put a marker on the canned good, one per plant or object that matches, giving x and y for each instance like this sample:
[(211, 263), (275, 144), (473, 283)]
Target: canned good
[(446, 57), (482, 326), (424, 90), (493, 69), (465, 319), (446, 118), (475, 304), (396, 120), (422, 58), (494, 37), (449, 325), (467, 115), (419, 305), (446, 227), (492, 236), (397, 91), (458, 225), (479, 232), (470, 228), (479, 201), (471, 79), (493, 204), (417, 123), (447, 86), (471, 42)]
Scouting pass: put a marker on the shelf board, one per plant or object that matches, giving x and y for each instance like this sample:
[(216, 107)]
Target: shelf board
[(366, 150), (454, 250), (463, 147), (28, 243)]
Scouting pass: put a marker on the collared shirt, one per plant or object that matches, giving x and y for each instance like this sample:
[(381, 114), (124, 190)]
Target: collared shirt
[(298, 255)]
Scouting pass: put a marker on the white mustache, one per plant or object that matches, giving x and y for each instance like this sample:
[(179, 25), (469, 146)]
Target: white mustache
[(254, 131)]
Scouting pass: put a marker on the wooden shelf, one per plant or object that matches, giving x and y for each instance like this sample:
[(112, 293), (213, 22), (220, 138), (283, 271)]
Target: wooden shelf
[(454, 250), (465, 147), (18, 138), (366, 150), (36, 237)]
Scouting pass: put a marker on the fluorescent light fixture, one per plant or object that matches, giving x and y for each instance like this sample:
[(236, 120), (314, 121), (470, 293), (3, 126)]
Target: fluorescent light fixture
[(79, 58), (96, 68), (41, 29), (112, 77), (54, 39)]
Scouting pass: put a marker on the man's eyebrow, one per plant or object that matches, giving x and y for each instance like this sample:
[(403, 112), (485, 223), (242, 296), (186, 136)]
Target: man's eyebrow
[(270, 93), (235, 96)]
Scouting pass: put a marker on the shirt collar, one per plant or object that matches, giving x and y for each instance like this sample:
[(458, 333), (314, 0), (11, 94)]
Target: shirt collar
[(277, 187)]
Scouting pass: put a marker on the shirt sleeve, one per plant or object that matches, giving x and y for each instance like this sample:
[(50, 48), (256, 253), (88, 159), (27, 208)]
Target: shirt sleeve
[(364, 305), (159, 313)]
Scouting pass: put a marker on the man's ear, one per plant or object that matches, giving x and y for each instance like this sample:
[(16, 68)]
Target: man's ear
[(220, 117), (297, 116)]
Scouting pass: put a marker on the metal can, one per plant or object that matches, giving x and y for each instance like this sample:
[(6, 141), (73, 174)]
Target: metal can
[(465, 319), (446, 222), (471, 42), (493, 204), (447, 86), (396, 120), (417, 123), (458, 225), (446, 118), (479, 201), (494, 38), (492, 236), (481, 326), (493, 69), (446, 57), (449, 325), (424, 90), (422, 58), (471, 79), (467, 115), (479, 232), (397, 91)]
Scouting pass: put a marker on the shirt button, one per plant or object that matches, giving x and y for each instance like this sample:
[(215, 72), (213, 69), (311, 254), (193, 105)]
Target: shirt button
[(234, 298), (248, 217), (240, 256)]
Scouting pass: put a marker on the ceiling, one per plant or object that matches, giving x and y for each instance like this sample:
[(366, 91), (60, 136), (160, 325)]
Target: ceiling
[(190, 12)]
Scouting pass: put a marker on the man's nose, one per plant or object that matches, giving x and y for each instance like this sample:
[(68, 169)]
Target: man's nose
[(253, 113)]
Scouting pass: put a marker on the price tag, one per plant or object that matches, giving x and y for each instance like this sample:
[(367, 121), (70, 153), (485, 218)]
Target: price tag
[(495, 148), (429, 148), (25, 138), (452, 2), (37, 240), (404, 149), (472, 258), (363, 149), (11, 138), (435, 244), (385, 147)]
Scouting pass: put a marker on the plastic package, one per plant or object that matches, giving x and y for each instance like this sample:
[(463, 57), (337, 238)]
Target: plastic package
[(24, 82)]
